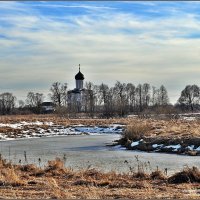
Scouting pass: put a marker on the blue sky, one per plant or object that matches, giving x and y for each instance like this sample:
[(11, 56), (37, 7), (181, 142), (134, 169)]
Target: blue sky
[(138, 42)]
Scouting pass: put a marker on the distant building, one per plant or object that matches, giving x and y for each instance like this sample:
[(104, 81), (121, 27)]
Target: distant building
[(47, 107), (77, 97)]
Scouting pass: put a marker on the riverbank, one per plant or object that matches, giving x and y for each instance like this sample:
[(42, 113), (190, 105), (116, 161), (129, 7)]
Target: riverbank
[(56, 181), (181, 136), (183, 146)]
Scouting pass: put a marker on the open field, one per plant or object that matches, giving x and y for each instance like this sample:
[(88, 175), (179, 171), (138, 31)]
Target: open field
[(56, 181)]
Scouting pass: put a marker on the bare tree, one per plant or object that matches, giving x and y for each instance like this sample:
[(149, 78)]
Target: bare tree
[(121, 97), (30, 99), (59, 93), (146, 94), (90, 98), (163, 96), (7, 103), (106, 99), (110, 103), (103, 96), (34, 101), (190, 96), (103, 90), (139, 97), (154, 96), (131, 92)]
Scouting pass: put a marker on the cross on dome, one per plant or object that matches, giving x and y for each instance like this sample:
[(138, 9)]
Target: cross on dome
[(79, 75)]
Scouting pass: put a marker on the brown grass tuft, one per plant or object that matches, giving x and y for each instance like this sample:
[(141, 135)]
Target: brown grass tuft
[(85, 182), (141, 175), (136, 131), (158, 175), (9, 177), (29, 168), (55, 167), (188, 175)]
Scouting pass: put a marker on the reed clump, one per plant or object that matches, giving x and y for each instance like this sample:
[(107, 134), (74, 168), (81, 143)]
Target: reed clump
[(135, 132)]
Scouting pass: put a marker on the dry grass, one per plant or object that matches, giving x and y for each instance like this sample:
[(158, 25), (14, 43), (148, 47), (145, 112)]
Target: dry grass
[(56, 181), (188, 175), (158, 175), (136, 131), (174, 127), (161, 128)]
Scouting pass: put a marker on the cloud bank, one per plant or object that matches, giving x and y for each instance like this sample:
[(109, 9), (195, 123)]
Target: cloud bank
[(138, 42)]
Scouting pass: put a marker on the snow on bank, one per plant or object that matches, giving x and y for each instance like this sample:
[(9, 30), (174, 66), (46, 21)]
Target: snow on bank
[(175, 147), (48, 129), (136, 143), (96, 129), (189, 118), (157, 145)]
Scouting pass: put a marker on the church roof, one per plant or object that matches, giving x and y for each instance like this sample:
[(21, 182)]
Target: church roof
[(79, 75)]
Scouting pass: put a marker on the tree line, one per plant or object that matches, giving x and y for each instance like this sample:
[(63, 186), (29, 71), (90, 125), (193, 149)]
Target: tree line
[(104, 101)]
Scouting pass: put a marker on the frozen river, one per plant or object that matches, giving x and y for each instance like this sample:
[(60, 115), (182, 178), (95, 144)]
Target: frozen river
[(83, 151)]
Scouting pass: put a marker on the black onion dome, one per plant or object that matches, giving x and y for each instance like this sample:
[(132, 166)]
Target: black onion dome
[(79, 76)]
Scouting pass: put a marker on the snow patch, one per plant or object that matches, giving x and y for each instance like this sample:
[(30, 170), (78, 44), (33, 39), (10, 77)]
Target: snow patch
[(198, 148), (174, 147), (157, 145), (97, 129), (135, 143), (191, 147), (189, 118)]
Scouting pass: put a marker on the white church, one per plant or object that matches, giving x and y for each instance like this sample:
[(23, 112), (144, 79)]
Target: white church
[(76, 97)]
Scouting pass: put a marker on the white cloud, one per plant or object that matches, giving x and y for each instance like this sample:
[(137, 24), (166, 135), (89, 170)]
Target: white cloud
[(109, 45)]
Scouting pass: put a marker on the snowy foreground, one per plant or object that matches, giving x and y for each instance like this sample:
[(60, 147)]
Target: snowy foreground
[(47, 129)]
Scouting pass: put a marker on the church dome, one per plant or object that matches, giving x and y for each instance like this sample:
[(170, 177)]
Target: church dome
[(79, 76)]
